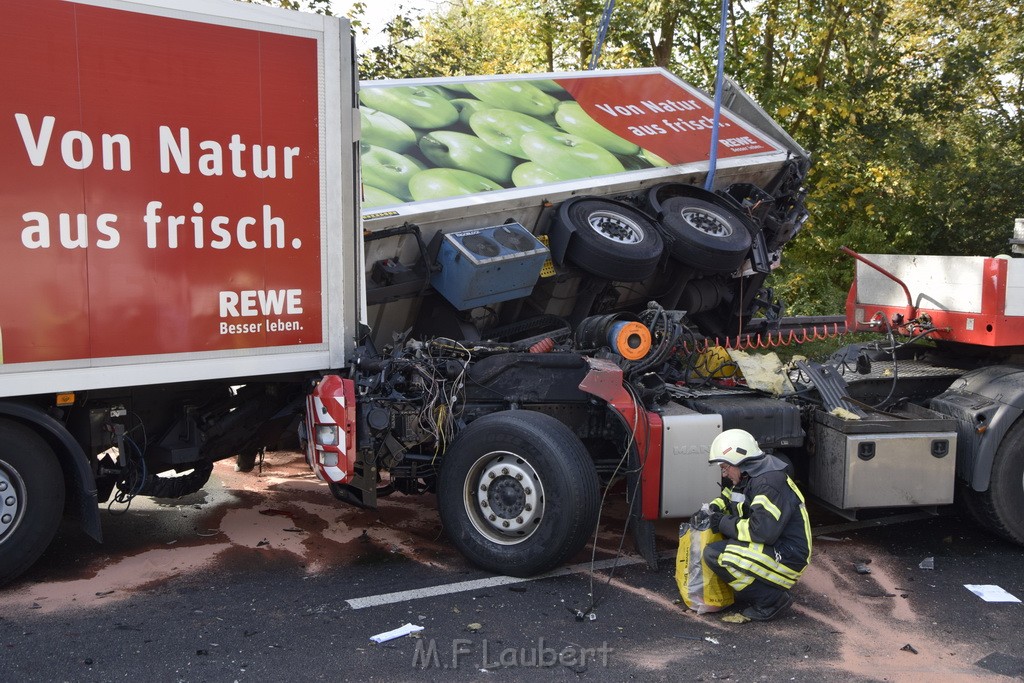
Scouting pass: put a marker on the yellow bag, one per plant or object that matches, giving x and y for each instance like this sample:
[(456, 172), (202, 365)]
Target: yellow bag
[(701, 589)]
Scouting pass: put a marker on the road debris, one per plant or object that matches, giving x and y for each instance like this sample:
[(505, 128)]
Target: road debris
[(991, 593), (735, 618), (862, 567), (396, 633), (909, 648), (927, 563)]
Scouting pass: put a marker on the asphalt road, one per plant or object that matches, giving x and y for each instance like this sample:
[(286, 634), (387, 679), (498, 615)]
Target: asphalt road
[(263, 576)]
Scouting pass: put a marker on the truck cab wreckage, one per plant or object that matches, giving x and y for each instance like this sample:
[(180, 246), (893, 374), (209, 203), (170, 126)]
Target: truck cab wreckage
[(508, 291)]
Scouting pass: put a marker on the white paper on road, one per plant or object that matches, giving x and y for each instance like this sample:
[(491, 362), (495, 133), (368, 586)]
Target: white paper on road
[(990, 593), (396, 633)]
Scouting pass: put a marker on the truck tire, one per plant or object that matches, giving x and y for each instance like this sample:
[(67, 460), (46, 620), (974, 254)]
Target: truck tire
[(31, 498), (704, 236), (176, 486), (1003, 503), (611, 240), (518, 493)]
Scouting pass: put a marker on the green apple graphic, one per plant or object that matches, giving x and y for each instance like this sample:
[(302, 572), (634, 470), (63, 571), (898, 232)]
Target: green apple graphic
[(569, 156), (437, 183), (502, 129), (551, 88), (457, 87), (468, 153), (654, 158), (518, 96), (574, 120), (373, 197), (387, 170), (417, 106), (634, 162), (468, 106), (384, 130), (529, 173)]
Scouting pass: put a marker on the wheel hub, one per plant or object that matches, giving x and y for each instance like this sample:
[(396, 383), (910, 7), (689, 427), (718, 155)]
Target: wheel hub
[(707, 222), (615, 227), (505, 498), (11, 488)]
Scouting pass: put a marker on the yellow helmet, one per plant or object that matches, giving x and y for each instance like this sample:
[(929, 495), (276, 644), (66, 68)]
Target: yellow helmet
[(734, 447)]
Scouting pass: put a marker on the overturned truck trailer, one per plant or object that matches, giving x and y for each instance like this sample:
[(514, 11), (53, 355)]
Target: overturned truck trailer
[(537, 251), (499, 290)]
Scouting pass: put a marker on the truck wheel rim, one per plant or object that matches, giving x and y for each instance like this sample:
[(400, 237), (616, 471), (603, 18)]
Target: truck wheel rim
[(504, 497), (707, 222), (12, 495), (615, 227)]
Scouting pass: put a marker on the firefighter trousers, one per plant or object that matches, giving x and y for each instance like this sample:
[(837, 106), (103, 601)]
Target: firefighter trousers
[(754, 571)]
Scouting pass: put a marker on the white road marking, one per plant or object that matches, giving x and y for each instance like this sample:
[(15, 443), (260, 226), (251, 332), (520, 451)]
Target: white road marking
[(493, 581), (490, 582)]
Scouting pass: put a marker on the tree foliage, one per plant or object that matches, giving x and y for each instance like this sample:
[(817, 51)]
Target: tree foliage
[(913, 109)]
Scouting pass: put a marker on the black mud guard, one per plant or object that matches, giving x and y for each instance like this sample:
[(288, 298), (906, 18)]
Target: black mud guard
[(72, 460), (985, 402)]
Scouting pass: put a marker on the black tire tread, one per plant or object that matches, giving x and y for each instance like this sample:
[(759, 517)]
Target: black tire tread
[(1002, 506), (710, 254), (176, 487), (579, 501), (607, 259), (37, 464)]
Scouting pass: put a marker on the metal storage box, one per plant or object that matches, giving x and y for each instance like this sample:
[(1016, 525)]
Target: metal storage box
[(885, 460), (687, 479), (488, 265)]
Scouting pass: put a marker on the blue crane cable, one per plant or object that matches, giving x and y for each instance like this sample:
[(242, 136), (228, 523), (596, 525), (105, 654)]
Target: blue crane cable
[(602, 31), (720, 76)]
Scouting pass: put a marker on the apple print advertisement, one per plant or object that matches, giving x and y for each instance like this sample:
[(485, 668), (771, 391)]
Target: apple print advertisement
[(157, 196), (448, 138)]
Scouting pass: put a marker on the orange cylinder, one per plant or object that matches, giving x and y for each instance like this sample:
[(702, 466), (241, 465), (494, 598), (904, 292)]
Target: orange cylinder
[(631, 340)]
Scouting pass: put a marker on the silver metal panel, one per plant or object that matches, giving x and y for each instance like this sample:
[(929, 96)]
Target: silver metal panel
[(1015, 285), (128, 372), (343, 304), (687, 480), (902, 472), (947, 283)]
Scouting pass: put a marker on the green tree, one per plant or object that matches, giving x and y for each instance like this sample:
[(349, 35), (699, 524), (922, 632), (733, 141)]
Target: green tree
[(913, 109)]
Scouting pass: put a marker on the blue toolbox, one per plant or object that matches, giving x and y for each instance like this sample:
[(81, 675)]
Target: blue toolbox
[(488, 265)]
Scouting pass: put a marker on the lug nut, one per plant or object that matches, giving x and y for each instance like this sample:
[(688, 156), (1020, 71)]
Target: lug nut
[(492, 518), (505, 524)]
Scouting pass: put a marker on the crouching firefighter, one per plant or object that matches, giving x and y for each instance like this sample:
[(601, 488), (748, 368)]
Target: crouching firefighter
[(762, 515)]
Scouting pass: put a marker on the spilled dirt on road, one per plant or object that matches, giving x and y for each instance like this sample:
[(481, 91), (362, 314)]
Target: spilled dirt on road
[(280, 509), (878, 633)]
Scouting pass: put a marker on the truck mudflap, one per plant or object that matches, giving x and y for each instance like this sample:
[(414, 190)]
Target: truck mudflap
[(331, 429), (605, 381)]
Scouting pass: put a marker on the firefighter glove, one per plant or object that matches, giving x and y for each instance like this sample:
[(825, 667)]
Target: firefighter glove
[(716, 520)]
